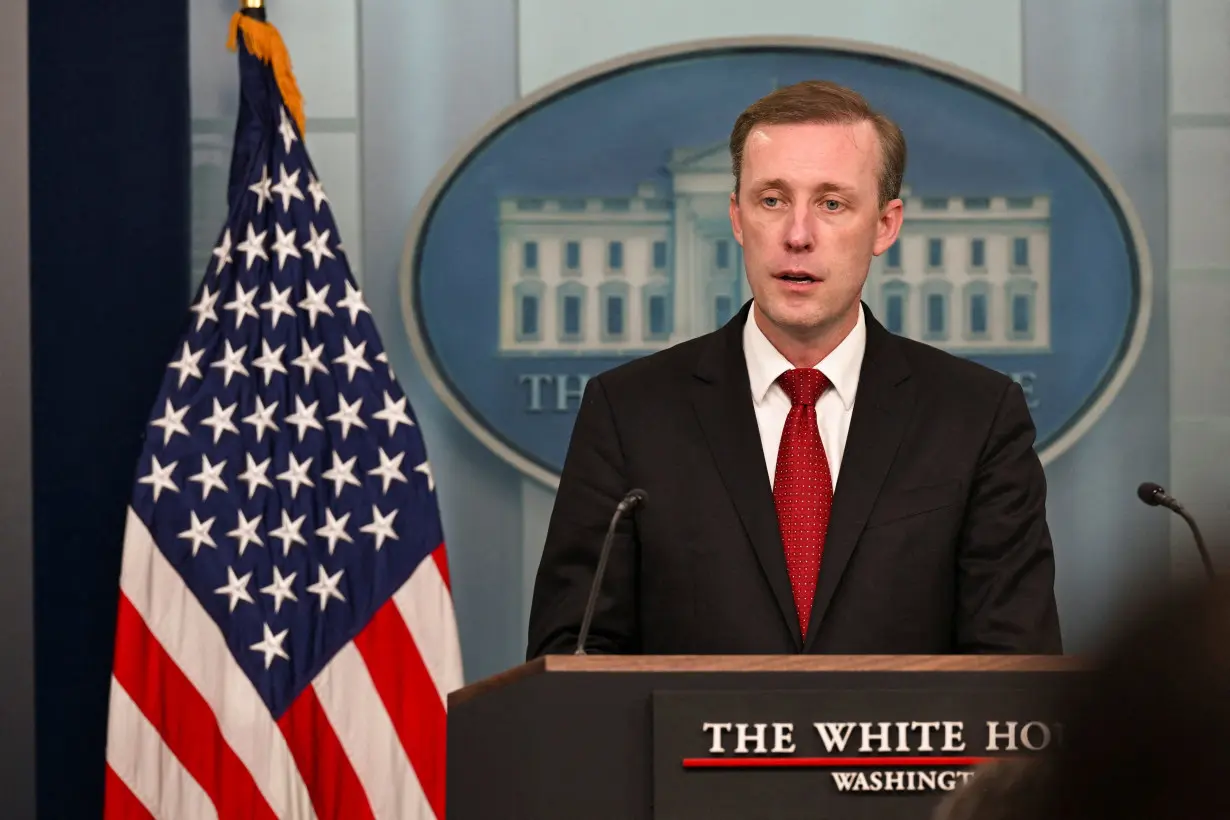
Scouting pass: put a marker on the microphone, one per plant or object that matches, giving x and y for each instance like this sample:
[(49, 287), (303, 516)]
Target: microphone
[(629, 503), (1155, 495)]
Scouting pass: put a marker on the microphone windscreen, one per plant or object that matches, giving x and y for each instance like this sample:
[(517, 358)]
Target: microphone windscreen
[(1150, 493)]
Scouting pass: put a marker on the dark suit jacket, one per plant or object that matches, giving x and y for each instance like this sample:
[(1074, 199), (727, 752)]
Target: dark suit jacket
[(937, 541)]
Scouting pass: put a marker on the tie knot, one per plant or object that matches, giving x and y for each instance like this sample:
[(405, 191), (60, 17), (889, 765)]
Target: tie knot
[(803, 384)]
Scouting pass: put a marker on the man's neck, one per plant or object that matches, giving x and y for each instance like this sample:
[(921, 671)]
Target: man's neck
[(809, 349)]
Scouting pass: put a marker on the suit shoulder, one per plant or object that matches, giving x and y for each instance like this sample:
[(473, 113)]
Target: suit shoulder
[(941, 368), (655, 369)]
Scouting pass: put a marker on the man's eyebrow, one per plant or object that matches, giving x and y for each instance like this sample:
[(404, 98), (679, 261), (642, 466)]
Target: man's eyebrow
[(826, 187)]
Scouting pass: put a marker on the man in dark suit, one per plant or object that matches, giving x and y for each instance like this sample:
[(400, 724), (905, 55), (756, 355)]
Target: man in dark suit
[(815, 483)]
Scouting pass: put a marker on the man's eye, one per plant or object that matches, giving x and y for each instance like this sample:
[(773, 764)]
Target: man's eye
[(831, 204), (770, 201)]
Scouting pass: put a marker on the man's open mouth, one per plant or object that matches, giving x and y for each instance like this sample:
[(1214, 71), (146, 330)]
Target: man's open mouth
[(798, 276)]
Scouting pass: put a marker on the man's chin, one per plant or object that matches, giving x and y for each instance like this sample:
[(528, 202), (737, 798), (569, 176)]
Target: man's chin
[(797, 320), (804, 321)]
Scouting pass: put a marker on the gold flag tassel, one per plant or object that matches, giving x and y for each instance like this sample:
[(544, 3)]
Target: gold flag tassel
[(265, 44)]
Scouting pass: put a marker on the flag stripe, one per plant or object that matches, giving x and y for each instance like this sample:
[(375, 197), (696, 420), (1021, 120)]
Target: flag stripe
[(119, 802), (184, 629), (331, 780), (182, 718), (440, 557), (152, 773), (427, 608), (363, 727), (409, 695)]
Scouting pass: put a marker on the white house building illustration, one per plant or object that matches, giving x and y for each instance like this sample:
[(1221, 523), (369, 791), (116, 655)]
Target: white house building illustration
[(629, 275)]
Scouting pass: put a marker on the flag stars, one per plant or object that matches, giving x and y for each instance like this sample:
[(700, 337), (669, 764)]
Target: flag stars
[(255, 476), (342, 473), (210, 477), (315, 303), (316, 191), (236, 589), (334, 396), (289, 534), (425, 469), (284, 245), (287, 130), (172, 421), (220, 420), (271, 645), (347, 415), (204, 307), (353, 302), (304, 417), (393, 414), (280, 589), (261, 189), (223, 252), (253, 247), (231, 363), (245, 531), (334, 530), (389, 470), (159, 477), (318, 245), (270, 361), (242, 304), (383, 358), (309, 360), (288, 187), (296, 474), (262, 418), (326, 587), (278, 305), (198, 533), (381, 526), (352, 358), (188, 364)]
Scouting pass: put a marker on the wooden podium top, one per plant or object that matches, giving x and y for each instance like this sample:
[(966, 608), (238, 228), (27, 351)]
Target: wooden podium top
[(771, 663)]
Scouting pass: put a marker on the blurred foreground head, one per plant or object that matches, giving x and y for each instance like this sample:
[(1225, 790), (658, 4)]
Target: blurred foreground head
[(1002, 790), (1147, 736), (1151, 736)]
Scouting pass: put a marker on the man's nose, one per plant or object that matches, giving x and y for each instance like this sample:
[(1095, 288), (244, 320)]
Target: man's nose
[(800, 233)]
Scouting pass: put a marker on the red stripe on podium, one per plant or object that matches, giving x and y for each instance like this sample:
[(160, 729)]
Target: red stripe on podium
[(824, 762)]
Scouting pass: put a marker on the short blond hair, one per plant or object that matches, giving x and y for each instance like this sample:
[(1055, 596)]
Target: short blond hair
[(821, 101)]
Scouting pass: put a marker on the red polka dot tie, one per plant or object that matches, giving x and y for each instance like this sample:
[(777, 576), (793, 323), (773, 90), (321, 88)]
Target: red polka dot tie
[(803, 486)]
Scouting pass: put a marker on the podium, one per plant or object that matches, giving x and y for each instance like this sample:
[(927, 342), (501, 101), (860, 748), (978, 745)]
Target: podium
[(715, 737)]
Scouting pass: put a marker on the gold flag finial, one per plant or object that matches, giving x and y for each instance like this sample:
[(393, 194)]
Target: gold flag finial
[(253, 9)]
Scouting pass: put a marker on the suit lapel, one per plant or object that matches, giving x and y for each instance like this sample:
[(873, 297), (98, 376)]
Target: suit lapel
[(882, 410), (722, 397)]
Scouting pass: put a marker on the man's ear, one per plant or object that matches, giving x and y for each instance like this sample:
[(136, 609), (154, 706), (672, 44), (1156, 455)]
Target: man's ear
[(889, 227), (736, 218)]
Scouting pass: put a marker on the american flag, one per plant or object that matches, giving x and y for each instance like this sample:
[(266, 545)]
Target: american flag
[(286, 637)]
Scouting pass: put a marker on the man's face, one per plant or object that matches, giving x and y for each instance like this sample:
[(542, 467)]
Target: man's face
[(808, 217)]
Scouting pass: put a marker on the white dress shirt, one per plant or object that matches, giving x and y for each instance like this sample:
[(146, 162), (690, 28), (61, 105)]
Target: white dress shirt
[(765, 363)]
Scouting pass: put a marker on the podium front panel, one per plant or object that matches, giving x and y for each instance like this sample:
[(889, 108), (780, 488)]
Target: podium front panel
[(635, 746)]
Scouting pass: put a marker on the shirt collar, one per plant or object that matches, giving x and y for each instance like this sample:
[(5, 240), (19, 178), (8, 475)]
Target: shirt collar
[(765, 363)]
